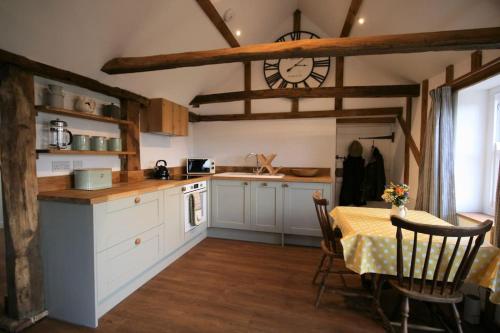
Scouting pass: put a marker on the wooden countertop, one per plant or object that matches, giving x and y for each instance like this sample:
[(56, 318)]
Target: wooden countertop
[(123, 190), (118, 191), (287, 178)]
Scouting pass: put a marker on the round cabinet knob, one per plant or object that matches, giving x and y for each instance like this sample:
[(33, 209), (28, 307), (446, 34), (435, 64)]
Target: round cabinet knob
[(285, 185), (137, 241), (245, 183), (264, 184), (137, 200)]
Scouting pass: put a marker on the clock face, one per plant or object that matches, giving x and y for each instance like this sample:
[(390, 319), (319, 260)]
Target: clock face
[(296, 72)]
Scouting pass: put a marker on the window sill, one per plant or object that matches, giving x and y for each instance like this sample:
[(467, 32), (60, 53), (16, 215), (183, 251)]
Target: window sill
[(476, 217)]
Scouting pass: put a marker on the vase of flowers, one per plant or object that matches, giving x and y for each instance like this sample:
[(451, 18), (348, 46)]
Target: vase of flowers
[(398, 196)]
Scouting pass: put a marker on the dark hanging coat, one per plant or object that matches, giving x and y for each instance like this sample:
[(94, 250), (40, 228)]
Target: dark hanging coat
[(374, 181), (352, 179)]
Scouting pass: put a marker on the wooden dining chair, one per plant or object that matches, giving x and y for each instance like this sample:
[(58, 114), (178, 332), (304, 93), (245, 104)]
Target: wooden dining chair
[(330, 245), (444, 286)]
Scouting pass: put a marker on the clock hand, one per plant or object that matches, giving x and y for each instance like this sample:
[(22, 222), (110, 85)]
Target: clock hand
[(296, 64)]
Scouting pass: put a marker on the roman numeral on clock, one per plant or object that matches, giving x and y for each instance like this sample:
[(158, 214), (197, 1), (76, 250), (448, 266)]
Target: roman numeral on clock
[(321, 63), (295, 35), (273, 78), (270, 66), (318, 77), (283, 84)]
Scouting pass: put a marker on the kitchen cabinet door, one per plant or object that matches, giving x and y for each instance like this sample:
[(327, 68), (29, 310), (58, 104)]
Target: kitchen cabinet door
[(165, 117), (174, 223), (267, 206), (299, 212), (231, 204)]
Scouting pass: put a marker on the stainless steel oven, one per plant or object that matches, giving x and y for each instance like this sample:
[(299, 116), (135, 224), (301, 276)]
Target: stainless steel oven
[(200, 166)]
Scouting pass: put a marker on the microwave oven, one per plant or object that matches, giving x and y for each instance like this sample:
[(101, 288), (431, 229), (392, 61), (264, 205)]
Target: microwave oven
[(200, 166)]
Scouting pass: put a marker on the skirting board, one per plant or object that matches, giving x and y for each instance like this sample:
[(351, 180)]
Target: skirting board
[(263, 237)]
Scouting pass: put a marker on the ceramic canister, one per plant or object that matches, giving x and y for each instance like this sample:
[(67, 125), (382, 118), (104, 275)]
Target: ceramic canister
[(115, 144), (80, 142), (98, 143)]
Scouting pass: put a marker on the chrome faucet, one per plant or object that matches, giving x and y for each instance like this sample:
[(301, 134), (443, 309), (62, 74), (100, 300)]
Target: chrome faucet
[(255, 170)]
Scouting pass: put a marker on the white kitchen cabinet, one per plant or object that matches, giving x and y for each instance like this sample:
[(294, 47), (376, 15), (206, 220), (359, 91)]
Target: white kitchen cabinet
[(273, 207), (231, 204), (94, 256), (174, 223), (266, 206), (299, 212)]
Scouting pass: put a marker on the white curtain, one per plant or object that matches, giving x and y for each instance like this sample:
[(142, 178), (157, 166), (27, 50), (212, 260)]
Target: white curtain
[(496, 230), (436, 185)]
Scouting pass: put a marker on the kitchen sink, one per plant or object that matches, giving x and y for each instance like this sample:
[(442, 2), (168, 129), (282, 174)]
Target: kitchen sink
[(250, 175)]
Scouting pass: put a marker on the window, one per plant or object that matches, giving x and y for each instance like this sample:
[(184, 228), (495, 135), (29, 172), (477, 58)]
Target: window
[(494, 150)]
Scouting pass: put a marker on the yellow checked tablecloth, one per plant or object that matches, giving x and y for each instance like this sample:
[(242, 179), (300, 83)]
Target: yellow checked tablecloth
[(369, 242)]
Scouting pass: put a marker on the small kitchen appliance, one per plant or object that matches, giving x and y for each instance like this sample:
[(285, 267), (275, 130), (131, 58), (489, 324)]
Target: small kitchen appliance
[(200, 166), (161, 170), (93, 179), (59, 136)]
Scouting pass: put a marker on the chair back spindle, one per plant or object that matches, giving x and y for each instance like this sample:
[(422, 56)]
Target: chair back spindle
[(321, 206), (449, 283)]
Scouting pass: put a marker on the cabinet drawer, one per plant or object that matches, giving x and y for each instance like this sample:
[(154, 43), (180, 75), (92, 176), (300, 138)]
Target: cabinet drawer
[(127, 217), (123, 262)]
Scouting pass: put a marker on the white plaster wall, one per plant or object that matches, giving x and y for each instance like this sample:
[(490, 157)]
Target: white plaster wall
[(298, 142), (471, 122)]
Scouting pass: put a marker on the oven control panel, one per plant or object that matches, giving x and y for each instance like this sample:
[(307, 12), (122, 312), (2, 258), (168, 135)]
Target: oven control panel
[(194, 187)]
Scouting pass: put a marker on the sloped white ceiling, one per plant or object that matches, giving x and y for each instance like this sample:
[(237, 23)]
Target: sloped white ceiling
[(81, 36), (384, 17)]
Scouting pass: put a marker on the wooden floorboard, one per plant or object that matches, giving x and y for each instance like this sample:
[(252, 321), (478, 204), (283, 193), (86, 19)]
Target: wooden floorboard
[(231, 286)]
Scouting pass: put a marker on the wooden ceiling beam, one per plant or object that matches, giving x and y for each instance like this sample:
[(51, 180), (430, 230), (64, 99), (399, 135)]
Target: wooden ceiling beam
[(410, 90), (471, 39), (366, 112), (350, 17), (49, 72), (367, 120), (339, 61), (218, 21), (484, 72)]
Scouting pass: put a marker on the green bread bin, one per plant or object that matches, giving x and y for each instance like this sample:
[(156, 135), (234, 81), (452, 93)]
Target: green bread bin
[(93, 179)]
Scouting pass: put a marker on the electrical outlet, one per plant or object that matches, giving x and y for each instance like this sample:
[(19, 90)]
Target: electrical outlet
[(77, 164), (61, 166)]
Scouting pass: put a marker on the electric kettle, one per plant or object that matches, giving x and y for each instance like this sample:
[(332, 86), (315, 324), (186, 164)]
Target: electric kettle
[(59, 136), (161, 171)]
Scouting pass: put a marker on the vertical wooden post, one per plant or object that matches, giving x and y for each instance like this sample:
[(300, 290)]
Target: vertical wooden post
[(407, 141), (450, 73), (339, 80), (296, 27), (131, 164), (248, 85), (423, 113), (476, 60), (25, 296)]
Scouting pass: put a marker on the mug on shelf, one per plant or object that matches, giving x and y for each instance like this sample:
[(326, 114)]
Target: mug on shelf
[(98, 143), (80, 142), (115, 144)]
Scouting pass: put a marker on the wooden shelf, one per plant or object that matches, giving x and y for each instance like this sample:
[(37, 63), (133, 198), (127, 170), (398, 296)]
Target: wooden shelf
[(78, 114), (83, 152)]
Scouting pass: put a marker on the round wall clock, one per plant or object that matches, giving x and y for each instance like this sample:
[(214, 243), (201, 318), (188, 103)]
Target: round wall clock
[(296, 72)]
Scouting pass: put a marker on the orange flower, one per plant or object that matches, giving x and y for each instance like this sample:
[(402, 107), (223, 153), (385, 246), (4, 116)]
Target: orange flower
[(399, 191)]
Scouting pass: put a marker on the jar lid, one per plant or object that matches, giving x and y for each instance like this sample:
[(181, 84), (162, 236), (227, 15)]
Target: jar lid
[(58, 122)]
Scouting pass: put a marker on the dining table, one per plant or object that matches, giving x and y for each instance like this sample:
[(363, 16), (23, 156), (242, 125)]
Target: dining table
[(369, 246)]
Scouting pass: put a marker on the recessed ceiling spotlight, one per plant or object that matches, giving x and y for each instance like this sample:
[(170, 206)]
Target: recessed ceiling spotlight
[(361, 20), (238, 33)]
